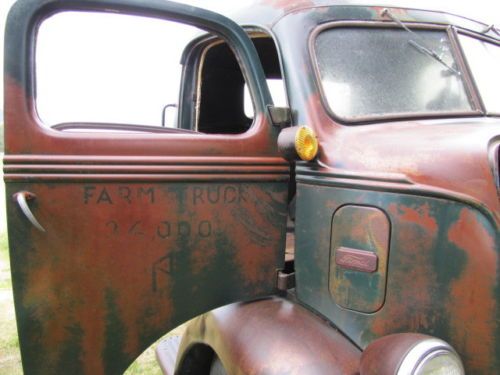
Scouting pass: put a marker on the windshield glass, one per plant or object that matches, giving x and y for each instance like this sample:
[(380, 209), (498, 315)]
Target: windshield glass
[(366, 73), (484, 63)]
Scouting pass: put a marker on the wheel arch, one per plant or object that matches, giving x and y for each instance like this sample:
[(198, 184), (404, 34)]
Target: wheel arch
[(272, 336), (195, 359)]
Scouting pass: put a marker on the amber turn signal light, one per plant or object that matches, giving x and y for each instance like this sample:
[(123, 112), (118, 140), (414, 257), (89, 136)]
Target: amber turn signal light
[(298, 142)]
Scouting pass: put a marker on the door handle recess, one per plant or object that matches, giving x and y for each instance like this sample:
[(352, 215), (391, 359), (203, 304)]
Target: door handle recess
[(22, 199)]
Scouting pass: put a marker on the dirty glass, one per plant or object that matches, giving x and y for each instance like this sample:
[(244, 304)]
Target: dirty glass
[(371, 72), (484, 62)]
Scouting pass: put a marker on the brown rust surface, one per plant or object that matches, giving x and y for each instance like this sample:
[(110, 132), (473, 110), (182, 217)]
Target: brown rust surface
[(121, 264), (273, 336), (22, 120), (442, 155), (432, 177), (144, 231), (478, 314), (444, 266), (443, 271)]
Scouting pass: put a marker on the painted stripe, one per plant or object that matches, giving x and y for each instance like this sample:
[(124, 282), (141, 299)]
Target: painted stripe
[(142, 160), (76, 177)]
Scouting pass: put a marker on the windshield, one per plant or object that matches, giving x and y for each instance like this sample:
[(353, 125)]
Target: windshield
[(367, 73), (484, 62)]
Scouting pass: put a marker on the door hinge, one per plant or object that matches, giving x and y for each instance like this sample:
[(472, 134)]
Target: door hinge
[(280, 116), (285, 281)]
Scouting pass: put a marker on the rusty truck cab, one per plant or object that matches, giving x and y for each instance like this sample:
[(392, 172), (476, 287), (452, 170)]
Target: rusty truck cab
[(346, 223)]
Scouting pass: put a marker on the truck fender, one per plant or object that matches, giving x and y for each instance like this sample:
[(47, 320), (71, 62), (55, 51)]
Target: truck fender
[(269, 336)]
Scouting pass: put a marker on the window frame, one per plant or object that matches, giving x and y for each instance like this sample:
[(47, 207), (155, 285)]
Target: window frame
[(477, 107), (261, 97), (193, 60), (114, 127), (482, 38)]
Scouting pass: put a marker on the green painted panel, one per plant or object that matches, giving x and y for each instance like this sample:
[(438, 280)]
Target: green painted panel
[(360, 240), (121, 264), (443, 271)]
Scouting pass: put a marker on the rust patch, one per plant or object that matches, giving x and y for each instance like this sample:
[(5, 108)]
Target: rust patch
[(412, 270), (419, 216), (272, 336), (460, 168), (21, 120), (399, 12), (472, 307), (115, 264)]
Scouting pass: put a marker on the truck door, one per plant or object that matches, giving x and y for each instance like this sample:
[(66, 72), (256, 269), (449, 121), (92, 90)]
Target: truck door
[(116, 237)]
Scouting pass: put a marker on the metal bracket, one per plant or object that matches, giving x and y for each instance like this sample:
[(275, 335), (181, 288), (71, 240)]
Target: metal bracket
[(493, 28), (285, 281), (280, 116)]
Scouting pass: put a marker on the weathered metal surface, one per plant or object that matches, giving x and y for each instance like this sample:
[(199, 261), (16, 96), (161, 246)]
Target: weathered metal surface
[(285, 281), (358, 257), (356, 260), (267, 13), (120, 264), (20, 112), (433, 178), (272, 336), (442, 270), (143, 231), (447, 156)]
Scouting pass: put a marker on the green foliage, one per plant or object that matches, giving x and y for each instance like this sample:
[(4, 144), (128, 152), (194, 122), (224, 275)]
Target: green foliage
[(10, 358), (5, 282), (145, 364), (2, 149)]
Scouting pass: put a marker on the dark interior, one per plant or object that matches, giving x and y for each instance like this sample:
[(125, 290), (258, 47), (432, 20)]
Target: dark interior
[(222, 87)]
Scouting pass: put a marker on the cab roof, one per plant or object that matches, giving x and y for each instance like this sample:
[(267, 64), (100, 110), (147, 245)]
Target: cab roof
[(266, 13)]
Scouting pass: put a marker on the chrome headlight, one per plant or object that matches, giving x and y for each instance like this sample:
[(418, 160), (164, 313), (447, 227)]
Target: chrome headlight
[(431, 356), (410, 354)]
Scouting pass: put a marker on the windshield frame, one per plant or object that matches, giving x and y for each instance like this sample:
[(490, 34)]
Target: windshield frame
[(483, 38), (477, 108)]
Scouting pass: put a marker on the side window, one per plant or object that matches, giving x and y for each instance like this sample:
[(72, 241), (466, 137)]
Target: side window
[(224, 104), (278, 93), (270, 61), (108, 68), (219, 100), (484, 59), (110, 72)]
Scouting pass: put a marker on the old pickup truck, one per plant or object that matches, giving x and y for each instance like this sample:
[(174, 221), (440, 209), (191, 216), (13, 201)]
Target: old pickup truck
[(351, 230)]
